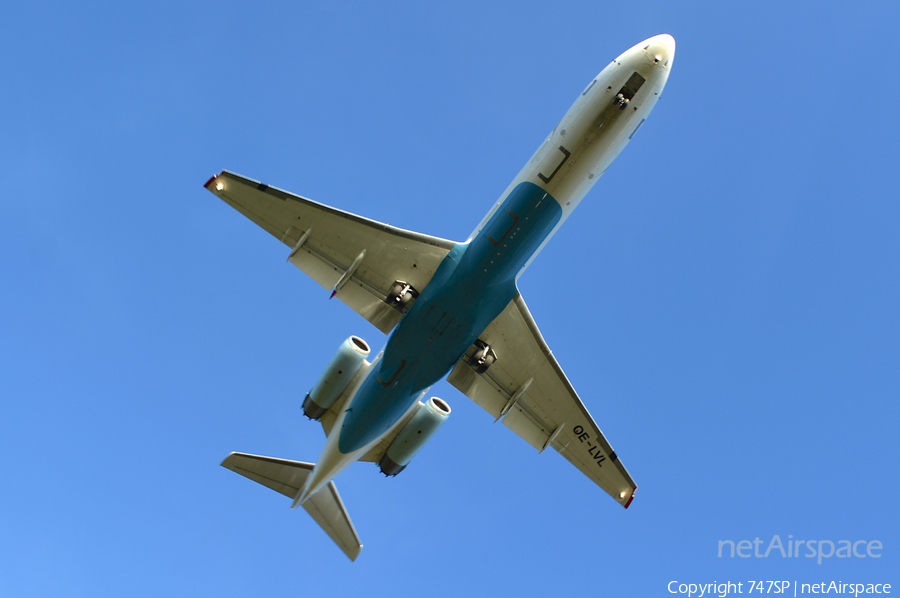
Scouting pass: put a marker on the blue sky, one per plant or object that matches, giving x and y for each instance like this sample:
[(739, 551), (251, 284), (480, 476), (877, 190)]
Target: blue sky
[(725, 300)]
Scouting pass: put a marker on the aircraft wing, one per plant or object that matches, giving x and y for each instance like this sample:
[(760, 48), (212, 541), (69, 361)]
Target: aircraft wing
[(527, 386), (359, 258)]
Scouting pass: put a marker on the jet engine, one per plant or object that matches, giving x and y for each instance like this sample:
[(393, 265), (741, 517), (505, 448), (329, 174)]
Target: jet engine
[(344, 365), (428, 418)]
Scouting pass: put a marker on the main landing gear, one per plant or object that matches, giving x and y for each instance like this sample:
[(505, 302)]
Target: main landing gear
[(483, 357), (400, 295)]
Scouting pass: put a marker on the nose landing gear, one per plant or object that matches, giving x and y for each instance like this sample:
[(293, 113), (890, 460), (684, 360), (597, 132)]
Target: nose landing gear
[(628, 91)]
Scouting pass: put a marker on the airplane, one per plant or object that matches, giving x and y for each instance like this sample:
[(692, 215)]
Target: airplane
[(450, 309)]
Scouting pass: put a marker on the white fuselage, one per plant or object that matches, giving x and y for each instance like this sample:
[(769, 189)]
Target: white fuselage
[(591, 132)]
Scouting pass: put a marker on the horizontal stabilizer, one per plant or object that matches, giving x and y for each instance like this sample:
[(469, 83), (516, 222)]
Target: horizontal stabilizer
[(288, 478)]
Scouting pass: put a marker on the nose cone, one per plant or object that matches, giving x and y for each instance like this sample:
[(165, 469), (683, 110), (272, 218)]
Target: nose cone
[(660, 49)]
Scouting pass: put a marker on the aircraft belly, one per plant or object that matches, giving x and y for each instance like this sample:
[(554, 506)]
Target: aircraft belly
[(471, 287)]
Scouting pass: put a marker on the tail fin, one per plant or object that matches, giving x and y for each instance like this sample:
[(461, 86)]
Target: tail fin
[(288, 478)]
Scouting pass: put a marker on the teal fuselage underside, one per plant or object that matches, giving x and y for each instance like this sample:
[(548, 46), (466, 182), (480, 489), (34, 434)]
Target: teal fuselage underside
[(473, 284)]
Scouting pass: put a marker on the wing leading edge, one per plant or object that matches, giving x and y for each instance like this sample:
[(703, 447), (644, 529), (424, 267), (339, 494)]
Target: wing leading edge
[(358, 258), (528, 389)]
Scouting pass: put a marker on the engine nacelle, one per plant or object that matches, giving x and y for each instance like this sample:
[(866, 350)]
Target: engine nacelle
[(428, 418), (344, 365)]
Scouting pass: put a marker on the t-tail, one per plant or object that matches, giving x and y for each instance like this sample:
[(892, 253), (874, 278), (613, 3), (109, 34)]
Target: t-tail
[(310, 485), (289, 478)]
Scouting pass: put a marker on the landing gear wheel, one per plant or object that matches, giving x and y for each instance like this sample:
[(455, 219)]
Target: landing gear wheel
[(482, 365), (400, 295), (483, 357)]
